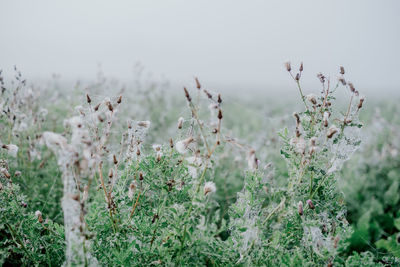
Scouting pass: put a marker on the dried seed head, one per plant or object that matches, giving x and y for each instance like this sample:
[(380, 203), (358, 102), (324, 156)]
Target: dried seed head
[(100, 118), (5, 172), (301, 67), (252, 160), (189, 99), (341, 70), (138, 152), (180, 122), (300, 208), (119, 100), (352, 88), (310, 204), (156, 147), (115, 159), (12, 149), (159, 155), (331, 131), (298, 133), (312, 98), (342, 81), (198, 85), (209, 187), (171, 143), (208, 94), (38, 215), (360, 104), (297, 78), (181, 146), (140, 176), (144, 124), (321, 77), (131, 192), (287, 66), (110, 107), (88, 99), (326, 117), (313, 141), (110, 173)]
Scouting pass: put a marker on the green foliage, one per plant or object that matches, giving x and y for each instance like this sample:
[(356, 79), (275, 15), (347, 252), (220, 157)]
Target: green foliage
[(205, 198)]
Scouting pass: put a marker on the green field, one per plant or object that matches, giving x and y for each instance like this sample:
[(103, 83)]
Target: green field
[(109, 174)]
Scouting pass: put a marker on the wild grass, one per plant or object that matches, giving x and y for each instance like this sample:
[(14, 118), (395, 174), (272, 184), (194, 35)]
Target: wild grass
[(114, 177)]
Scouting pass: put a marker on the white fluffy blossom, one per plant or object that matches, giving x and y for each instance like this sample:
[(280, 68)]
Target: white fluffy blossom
[(209, 187), (12, 150), (182, 145)]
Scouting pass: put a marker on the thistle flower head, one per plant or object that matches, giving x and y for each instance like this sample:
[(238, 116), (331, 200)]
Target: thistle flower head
[(331, 131), (209, 187), (300, 208), (38, 215), (312, 98), (180, 122), (12, 150), (182, 146)]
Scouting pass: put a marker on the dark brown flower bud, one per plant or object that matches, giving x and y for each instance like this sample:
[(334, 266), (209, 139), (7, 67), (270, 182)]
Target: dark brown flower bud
[(297, 76), (352, 88), (115, 160), (219, 114), (119, 100), (360, 104), (110, 107), (198, 85), (189, 99), (301, 67), (140, 176), (288, 67), (341, 70), (342, 81), (88, 99), (208, 94), (300, 208), (96, 108), (310, 204), (171, 143), (219, 99)]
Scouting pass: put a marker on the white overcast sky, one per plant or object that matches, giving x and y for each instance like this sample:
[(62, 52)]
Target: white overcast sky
[(225, 43)]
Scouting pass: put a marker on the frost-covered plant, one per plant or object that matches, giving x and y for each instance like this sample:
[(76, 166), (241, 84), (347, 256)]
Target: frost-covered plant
[(201, 197), (306, 221)]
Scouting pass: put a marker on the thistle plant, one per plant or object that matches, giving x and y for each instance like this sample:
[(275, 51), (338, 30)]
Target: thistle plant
[(196, 197)]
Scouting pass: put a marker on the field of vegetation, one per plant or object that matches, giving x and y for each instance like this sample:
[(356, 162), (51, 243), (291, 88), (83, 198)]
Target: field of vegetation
[(109, 174)]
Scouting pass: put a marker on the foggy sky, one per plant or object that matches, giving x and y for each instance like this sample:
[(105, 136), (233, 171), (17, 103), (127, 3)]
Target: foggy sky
[(242, 44)]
